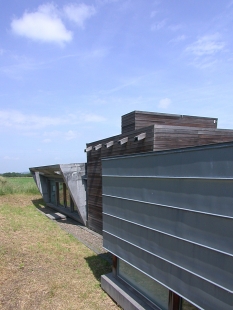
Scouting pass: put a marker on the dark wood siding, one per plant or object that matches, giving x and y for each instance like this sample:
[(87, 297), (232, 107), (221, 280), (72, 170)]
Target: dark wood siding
[(137, 119), (94, 168), (163, 132), (170, 137)]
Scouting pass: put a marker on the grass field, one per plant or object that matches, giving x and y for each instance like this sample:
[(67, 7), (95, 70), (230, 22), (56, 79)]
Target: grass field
[(43, 267), (23, 185)]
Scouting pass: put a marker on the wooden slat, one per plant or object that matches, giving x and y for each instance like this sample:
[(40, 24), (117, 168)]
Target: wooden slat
[(179, 131), (137, 119)]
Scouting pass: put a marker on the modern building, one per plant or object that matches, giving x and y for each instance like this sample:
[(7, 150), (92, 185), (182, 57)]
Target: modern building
[(145, 132), (63, 188), (161, 194), (168, 221)]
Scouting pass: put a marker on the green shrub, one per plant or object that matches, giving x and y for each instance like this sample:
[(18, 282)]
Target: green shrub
[(17, 185)]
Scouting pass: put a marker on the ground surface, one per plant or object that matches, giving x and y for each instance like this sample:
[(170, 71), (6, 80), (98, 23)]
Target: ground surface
[(44, 267)]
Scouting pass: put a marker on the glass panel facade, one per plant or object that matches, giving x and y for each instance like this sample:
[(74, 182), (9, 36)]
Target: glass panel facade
[(152, 290), (52, 192), (67, 198), (187, 306), (61, 198)]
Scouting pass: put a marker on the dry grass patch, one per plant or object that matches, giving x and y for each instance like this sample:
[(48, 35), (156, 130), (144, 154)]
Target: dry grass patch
[(43, 267)]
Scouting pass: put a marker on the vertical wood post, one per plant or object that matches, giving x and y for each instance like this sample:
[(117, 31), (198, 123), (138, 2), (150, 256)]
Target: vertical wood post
[(114, 265), (174, 302)]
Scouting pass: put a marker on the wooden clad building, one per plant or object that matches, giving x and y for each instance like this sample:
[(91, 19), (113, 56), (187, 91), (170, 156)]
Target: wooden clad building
[(145, 132)]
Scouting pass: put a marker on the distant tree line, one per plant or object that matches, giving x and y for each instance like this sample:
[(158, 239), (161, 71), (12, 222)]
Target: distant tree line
[(15, 174)]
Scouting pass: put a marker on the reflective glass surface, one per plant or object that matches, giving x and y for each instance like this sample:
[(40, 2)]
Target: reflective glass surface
[(186, 305), (152, 290)]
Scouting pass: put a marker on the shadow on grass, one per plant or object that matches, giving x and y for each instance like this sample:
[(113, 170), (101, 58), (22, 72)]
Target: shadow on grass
[(43, 208), (99, 265), (39, 204)]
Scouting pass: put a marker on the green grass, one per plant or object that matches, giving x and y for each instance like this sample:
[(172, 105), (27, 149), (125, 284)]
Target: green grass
[(22, 185), (41, 266)]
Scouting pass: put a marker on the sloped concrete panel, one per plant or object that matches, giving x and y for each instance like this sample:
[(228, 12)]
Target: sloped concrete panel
[(75, 179)]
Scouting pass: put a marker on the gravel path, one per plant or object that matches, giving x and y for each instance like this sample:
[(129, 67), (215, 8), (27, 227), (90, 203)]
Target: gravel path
[(88, 237)]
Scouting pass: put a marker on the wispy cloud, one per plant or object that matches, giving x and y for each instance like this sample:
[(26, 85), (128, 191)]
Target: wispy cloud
[(153, 14), (175, 27), (102, 2), (10, 158), (20, 121), (131, 81), (42, 25), (89, 118), (79, 13), (230, 4), (206, 45), (204, 62), (164, 103), (70, 135), (159, 25), (50, 136), (178, 39)]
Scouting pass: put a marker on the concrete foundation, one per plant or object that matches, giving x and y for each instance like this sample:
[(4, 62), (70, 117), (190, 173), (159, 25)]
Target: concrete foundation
[(122, 295)]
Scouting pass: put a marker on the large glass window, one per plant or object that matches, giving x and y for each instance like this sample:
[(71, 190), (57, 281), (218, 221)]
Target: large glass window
[(152, 290), (188, 306), (53, 192), (61, 196), (67, 198)]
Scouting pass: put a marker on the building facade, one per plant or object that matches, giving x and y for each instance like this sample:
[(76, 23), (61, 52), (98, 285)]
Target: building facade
[(168, 221)]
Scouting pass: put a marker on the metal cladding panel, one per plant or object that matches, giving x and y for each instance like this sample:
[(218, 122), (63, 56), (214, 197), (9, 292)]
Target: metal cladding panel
[(209, 196), (188, 255), (203, 293), (170, 215), (203, 161), (185, 224)]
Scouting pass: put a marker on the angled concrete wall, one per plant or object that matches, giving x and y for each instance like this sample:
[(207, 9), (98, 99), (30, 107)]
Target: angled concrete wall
[(73, 175), (75, 179)]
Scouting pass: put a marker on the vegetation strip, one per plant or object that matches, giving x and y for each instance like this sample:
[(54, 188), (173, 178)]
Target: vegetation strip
[(42, 266)]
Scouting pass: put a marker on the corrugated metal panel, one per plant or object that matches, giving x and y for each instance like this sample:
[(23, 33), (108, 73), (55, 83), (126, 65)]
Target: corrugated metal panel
[(169, 214)]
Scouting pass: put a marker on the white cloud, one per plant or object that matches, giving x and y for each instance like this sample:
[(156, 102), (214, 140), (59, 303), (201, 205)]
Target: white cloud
[(178, 39), (204, 63), (206, 45), (79, 13), (18, 120), (102, 2), (159, 25), (70, 135), (43, 25), (10, 158), (46, 140), (54, 135), (92, 118), (153, 13), (230, 4), (164, 103), (175, 27)]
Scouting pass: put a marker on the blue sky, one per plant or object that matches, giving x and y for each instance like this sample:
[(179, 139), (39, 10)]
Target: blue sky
[(70, 69)]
